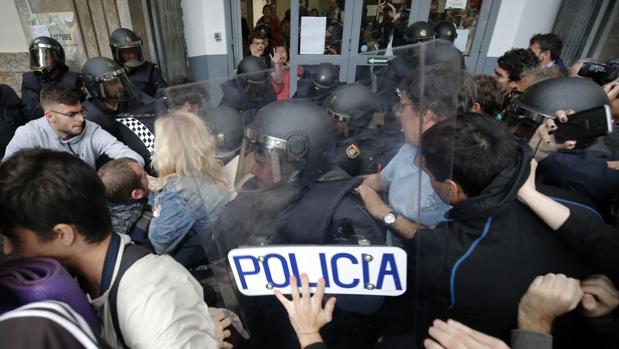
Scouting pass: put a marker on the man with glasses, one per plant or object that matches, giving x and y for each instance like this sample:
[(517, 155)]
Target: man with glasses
[(412, 201), (64, 128)]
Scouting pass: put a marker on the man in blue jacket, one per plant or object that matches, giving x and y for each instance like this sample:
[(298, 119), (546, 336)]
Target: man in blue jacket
[(476, 267)]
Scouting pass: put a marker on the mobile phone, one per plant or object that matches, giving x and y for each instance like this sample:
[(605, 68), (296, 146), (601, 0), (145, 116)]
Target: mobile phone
[(585, 126)]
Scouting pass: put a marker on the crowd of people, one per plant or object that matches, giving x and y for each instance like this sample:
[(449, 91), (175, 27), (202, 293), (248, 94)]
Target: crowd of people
[(141, 188)]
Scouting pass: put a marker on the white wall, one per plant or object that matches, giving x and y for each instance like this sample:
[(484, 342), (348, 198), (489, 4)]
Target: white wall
[(518, 20), (12, 37), (201, 20)]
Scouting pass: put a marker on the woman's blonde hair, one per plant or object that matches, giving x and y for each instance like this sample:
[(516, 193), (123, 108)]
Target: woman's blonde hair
[(184, 146)]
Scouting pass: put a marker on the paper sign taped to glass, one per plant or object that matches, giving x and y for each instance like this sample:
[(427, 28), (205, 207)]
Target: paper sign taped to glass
[(359, 270)]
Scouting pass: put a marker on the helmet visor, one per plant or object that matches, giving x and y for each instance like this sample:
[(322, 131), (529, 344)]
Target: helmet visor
[(263, 162), (130, 56), (523, 122), (42, 58), (115, 86)]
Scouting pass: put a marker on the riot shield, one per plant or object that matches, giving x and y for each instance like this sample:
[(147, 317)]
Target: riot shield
[(331, 172)]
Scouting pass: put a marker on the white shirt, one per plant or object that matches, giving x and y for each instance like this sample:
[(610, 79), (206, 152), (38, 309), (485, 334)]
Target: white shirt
[(160, 305)]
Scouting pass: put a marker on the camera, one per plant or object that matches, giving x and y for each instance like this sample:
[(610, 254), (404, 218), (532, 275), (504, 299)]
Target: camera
[(600, 73)]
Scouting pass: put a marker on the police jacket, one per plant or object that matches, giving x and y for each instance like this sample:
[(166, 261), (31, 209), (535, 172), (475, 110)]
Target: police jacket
[(11, 115), (133, 123), (147, 78), (33, 83), (280, 215), (356, 155), (327, 211), (476, 267)]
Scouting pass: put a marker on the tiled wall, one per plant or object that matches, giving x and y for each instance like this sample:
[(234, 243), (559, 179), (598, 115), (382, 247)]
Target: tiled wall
[(12, 65)]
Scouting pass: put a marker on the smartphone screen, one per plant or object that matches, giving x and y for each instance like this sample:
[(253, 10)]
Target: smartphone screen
[(589, 123)]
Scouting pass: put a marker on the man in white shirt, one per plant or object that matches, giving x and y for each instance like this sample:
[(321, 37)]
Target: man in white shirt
[(54, 205)]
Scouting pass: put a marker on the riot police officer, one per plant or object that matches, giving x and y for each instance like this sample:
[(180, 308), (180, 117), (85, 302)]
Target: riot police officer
[(47, 61), (323, 79), (583, 169), (11, 115), (358, 141), (226, 124), (115, 105), (285, 179), (250, 89), (445, 30), (127, 51)]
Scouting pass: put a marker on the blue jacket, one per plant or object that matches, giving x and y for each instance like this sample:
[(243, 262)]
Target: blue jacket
[(182, 212), (476, 268)]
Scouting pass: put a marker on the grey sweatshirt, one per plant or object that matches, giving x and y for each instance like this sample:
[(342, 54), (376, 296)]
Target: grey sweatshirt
[(88, 145)]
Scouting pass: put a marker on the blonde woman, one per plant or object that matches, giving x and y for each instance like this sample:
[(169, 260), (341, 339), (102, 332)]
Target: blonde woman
[(191, 188)]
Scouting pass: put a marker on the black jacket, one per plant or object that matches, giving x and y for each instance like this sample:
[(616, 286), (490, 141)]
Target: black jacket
[(105, 117), (11, 116), (476, 267), (147, 78), (33, 83), (246, 98), (329, 212)]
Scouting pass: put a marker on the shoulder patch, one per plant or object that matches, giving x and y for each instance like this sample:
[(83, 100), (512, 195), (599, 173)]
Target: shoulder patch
[(353, 151)]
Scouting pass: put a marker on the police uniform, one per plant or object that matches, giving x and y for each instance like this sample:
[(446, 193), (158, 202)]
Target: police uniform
[(147, 78), (11, 116), (33, 83), (307, 90), (236, 97), (313, 203), (133, 122)]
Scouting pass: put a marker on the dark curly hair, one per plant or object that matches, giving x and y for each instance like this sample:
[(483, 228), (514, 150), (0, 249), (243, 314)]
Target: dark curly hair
[(517, 60), (548, 42)]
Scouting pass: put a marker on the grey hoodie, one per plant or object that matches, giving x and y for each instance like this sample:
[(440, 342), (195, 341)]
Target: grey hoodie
[(88, 145)]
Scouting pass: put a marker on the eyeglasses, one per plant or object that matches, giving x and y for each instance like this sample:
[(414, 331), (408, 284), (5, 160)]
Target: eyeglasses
[(73, 113), (399, 107)]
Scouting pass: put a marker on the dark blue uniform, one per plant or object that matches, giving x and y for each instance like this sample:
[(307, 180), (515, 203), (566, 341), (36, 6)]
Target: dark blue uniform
[(280, 215), (147, 78), (33, 83)]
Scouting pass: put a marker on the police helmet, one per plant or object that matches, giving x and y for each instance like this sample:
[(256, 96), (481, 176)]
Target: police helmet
[(445, 30), (264, 30), (106, 80), (45, 54), (325, 75), (126, 48), (289, 141), (352, 104), (253, 69), (526, 112), (226, 124), (418, 31)]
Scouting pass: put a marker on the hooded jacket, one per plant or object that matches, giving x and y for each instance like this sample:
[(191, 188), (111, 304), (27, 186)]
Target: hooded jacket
[(88, 145), (476, 267)]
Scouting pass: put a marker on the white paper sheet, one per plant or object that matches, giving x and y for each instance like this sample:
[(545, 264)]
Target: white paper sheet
[(313, 31), (462, 39), (39, 30), (455, 4)]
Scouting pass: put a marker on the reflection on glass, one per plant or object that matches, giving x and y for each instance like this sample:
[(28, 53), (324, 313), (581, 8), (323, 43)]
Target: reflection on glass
[(465, 19), (381, 21), (56, 19)]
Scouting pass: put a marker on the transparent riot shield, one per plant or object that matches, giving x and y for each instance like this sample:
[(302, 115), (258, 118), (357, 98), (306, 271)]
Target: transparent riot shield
[(335, 168)]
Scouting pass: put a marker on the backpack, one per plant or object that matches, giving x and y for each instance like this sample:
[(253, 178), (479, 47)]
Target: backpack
[(131, 254)]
